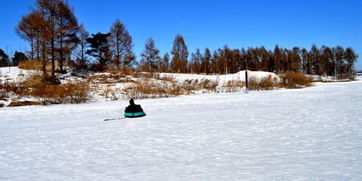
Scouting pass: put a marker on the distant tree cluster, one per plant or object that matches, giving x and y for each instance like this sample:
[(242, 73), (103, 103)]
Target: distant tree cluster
[(332, 61), (18, 57), (55, 36)]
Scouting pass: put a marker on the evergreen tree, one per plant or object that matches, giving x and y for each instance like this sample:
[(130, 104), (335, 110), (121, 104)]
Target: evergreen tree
[(315, 58), (150, 55), (82, 58), (4, 59), (99, 48), (165, 63), (339, 55), (19, 57), (33, 28), (351, 58), (278, 56), (304, 59), (206, 61), (295, 59), (196, 59), (121, 45), (66, 32), (327, 59), (179, 55), (264, 59)]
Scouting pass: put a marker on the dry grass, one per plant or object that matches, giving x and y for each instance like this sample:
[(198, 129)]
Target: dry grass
[(23, 103), (295, 80), (45, 93), (110, 78), (234, 85), (266, 83), (146, 88), (209, 85), (36, 65), (57, 94), (150, 88)]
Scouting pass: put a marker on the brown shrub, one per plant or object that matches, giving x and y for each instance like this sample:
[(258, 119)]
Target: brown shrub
[(266, 83), (234, 83), (295, 80), (109, 78), (146, 87), (150, 89), (35, 65), (53, 94), (209, 85), (167, 79), (8, 87), (128, 71), (78, 92), (23, 103)]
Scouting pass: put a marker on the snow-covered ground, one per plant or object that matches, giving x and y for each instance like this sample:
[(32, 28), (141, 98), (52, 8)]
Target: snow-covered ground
[(14, 74), (302, 134)]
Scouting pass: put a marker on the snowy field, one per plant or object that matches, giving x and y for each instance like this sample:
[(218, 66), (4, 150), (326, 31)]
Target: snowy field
[(302, 134)]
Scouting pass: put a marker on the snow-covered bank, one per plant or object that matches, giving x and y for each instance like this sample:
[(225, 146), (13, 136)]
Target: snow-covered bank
[(222, 79), (115, 86), (302, 134)]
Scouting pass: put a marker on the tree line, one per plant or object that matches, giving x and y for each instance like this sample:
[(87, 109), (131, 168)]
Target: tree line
[(55, 36), (331, 61)]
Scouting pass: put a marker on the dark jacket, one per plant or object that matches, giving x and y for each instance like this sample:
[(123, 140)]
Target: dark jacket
[(132, 108)]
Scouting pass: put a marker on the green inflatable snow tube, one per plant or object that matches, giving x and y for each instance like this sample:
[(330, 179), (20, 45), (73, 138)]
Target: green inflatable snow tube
[(134, 115)]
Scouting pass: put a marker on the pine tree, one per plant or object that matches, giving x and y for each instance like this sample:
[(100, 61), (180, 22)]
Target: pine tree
[(196, 60), (121, 45), (179, 55), (165, 65), (304, 59), (351, 58), (33, 28), (150, 55), (99, 48), (4, 59), (295, 60), (206, 61), (66, 32), (315, 59), (278, 56), (19, 57), (327, 59), (82, 58), (339, 55)]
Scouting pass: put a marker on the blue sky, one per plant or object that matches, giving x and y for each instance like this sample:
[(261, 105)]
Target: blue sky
[(210, 23)]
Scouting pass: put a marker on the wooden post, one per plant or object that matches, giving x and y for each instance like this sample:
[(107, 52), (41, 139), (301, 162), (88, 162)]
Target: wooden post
[(246, 76), (246, 80)]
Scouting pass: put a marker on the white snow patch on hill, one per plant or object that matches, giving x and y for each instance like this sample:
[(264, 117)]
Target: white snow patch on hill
[(14, 74), (222, 79)]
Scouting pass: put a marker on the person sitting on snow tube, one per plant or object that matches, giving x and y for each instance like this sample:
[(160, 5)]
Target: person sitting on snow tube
[(133, 110)]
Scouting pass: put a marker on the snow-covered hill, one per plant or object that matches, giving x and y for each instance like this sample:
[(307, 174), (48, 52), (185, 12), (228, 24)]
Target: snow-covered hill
[(302, 134)]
